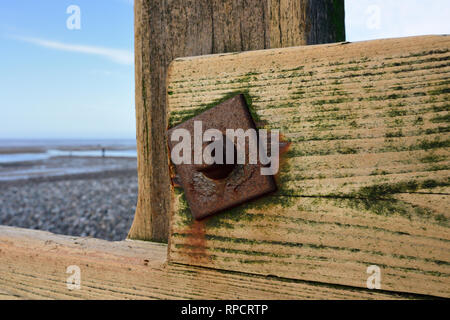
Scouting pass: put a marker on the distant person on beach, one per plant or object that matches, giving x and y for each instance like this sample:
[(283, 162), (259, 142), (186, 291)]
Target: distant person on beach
[(103, 152)]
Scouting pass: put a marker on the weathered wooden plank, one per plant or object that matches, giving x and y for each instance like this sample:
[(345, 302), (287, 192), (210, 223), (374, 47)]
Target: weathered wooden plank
[(366, 178), (177, 28), (33, 266)]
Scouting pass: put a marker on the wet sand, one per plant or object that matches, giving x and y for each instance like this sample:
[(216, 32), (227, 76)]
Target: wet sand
[(63, 167), (12, 150)]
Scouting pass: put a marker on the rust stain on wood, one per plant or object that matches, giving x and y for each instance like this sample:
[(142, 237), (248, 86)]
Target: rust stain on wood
[(198, 241)]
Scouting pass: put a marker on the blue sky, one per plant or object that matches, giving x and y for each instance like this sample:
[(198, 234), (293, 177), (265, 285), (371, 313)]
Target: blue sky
[(61, 83), (47, 92)]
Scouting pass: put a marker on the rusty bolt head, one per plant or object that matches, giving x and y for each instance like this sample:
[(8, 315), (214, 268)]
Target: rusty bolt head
[(211, 188), (217, 171)]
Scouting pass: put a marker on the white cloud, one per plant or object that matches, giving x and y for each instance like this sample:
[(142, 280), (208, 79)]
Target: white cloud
[(125, 57)]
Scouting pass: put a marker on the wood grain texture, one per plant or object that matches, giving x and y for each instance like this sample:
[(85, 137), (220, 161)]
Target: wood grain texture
[(168, 29), (33, 266), (366, 178)]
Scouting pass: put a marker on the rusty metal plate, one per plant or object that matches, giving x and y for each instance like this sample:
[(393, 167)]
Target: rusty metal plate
[(214, 188)]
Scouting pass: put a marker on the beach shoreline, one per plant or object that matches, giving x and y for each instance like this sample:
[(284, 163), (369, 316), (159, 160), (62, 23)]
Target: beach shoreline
[(16, 150), (76, 196)]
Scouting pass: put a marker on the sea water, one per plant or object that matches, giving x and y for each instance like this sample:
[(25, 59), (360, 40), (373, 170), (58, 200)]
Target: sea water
[(19, 150)]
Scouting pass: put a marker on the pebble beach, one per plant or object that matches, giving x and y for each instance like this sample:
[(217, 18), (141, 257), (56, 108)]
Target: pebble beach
[(76, 196)]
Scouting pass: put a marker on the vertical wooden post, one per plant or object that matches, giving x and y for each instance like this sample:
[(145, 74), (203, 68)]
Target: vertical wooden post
[(167, 29)]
